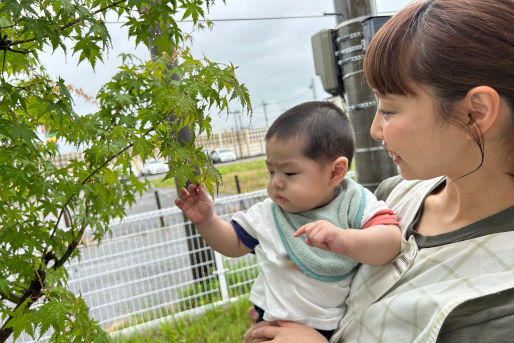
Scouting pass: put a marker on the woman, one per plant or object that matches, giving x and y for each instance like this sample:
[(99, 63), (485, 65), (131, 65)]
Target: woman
[(442, 72)]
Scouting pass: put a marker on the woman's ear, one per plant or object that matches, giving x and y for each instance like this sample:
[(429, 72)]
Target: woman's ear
[(339, 170), (482, 104)]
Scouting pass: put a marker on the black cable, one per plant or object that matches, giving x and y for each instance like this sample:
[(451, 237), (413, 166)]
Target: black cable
[(247, 19)]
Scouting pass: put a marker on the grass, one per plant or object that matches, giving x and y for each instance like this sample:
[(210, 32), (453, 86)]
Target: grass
[(252, 176), (221, 324)]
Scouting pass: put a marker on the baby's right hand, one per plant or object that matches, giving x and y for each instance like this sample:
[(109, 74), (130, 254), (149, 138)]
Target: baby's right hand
[(195, 204)]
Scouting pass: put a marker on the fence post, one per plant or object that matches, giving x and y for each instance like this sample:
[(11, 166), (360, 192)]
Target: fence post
[(158, 201), (238, 187), (220, 271)]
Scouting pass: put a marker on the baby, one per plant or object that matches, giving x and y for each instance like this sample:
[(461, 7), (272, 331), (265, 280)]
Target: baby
[(325, 223)]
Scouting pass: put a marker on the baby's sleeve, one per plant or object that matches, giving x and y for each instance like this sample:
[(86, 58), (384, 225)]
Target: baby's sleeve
[(376, 212), (246, 224)]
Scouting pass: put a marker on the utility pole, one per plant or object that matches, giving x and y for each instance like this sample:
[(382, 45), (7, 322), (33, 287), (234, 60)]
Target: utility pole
[(264, 104), (313, 88), (372, 164), (236, 124), (239, 126), (199, 251)]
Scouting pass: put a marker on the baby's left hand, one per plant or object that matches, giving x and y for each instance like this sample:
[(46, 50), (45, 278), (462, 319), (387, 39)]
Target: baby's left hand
[(324, 235)]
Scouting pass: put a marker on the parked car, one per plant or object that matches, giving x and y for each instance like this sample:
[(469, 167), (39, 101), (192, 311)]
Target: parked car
[(207, 153), (222, 155), (125, 173), (154, 167)]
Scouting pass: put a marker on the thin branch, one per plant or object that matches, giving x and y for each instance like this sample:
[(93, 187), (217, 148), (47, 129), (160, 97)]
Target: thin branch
[(18, 51), (73, 245), (70, 24), (59, 217), (13, 214), (26, 87)]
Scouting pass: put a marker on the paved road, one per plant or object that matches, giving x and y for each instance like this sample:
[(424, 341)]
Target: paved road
[(148, 201)]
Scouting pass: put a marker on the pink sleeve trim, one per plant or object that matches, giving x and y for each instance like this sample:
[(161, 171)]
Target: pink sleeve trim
[(382, 217)]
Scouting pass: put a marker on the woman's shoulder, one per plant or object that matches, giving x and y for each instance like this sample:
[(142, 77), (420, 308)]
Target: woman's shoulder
[(386, 186), (397, 187), (485, 319)]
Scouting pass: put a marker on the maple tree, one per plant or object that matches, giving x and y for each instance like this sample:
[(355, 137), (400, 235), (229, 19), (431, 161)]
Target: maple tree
[(45, 209)]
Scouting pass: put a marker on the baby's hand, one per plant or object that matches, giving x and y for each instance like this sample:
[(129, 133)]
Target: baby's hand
[(324, 235), (195, 204)]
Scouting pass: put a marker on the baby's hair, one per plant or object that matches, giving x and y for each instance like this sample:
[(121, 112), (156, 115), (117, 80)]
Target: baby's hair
[(322, 128)]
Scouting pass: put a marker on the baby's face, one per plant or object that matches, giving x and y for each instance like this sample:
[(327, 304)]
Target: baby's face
[(296, 183)]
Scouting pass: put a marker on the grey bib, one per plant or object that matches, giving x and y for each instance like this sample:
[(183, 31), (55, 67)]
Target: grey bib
[(345, 211)]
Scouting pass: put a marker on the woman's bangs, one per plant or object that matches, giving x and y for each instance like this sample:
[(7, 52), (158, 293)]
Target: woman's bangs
[(389, 58)]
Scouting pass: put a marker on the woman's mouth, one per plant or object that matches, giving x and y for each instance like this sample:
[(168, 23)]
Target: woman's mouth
[(396, 159)]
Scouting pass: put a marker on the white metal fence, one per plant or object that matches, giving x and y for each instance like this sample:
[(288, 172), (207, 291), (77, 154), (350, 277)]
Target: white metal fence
[(143, 273)]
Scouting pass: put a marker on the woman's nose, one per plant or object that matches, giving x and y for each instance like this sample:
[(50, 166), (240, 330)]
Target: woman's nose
[(376, 127)]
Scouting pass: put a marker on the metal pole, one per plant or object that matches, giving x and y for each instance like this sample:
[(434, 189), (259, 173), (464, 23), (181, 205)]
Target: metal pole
[(238, 187), (239, 126), (313, 88), (220, 271), (372, 165), (264, 104), (158, 201)]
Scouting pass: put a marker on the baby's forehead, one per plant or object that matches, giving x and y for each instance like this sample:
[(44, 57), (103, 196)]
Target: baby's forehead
[(298, 139)]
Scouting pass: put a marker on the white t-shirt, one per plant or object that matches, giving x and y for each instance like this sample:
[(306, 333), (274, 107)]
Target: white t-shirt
[(287, 293)]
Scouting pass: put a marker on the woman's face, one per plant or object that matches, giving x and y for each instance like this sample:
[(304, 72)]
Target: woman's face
[(419, 143)]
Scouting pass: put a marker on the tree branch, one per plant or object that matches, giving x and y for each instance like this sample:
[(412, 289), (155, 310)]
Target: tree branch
[(73, 245), (70, 24), (33, 292)]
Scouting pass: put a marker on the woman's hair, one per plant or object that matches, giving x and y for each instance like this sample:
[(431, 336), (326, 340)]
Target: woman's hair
[(451, 46), (321, 126)]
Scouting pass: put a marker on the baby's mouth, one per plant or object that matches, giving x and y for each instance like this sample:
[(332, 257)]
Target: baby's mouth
[(281, 198)]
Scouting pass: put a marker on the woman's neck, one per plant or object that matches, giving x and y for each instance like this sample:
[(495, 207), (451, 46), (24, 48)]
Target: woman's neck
[(463, 201)]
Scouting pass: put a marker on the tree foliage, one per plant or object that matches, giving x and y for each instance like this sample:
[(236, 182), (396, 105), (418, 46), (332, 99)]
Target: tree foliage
[(45, 209)]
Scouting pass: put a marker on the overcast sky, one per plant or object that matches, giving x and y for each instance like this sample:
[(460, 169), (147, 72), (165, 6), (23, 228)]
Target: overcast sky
[(274, 57)]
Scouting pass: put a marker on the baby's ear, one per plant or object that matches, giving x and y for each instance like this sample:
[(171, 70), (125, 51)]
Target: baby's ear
[(339, 170)]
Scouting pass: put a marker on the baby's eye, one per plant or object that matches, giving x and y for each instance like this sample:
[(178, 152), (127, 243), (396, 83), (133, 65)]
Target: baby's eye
[(290, 174), (271, 172)]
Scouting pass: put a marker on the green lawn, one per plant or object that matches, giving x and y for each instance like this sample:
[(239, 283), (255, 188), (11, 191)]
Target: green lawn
[(222, 324), (252, 176)]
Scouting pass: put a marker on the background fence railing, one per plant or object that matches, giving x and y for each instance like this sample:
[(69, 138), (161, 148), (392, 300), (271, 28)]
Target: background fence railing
[(244, 143), (142, 273)]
